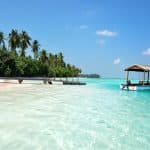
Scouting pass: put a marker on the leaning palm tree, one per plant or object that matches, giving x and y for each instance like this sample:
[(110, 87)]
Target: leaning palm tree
[(35, 48), (24, 42), (2, 41), (13, 40)]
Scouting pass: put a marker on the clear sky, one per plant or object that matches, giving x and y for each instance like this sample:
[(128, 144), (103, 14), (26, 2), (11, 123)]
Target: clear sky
[(100, 36)]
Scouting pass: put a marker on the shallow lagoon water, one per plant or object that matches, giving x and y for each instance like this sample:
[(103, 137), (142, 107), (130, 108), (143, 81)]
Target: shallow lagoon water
[(92, 117)]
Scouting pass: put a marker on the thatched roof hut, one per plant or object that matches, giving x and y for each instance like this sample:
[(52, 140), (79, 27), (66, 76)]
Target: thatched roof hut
[(139, 68)]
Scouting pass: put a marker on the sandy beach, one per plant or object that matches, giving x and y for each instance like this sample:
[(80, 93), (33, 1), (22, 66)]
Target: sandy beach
[(5, 84)]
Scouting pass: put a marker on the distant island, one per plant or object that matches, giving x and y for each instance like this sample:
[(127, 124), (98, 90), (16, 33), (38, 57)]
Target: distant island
[(90, 75)]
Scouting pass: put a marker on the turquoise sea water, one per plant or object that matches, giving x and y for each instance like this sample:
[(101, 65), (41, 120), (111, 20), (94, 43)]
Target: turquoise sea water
[(92, 117)]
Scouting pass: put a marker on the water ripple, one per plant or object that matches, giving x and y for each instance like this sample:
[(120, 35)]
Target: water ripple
[(88, 117)]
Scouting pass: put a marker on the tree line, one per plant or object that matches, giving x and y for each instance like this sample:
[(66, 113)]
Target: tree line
[(15, 63)]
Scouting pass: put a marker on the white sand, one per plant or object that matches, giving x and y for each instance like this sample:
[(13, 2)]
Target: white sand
[(5, 84)]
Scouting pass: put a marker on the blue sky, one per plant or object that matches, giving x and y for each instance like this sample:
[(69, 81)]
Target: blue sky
[(99, 36)]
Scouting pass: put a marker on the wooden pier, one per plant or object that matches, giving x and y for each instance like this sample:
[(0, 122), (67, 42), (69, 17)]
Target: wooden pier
[(44, 79), (73, 83)]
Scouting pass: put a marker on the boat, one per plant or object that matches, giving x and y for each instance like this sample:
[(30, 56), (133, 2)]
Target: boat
[(73, 83), (143, 84)]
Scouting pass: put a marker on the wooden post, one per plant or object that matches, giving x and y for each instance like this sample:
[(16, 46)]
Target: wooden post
[(44, 81), (127, 75), (49, 81), (20, 81), (144, 78), (78, 78)]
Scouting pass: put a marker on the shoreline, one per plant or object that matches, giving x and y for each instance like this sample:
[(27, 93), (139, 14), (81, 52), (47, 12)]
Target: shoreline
[(6, 84)]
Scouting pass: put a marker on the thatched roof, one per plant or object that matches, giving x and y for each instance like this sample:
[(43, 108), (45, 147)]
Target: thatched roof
[(139, 68)]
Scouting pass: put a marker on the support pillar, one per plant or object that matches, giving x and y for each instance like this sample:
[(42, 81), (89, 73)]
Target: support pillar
[(127, 77), (20, 81), (144, 78), (45, 81)]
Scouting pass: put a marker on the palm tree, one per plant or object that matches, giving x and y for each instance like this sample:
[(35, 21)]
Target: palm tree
[(56, 60), (51, 60), (61, 59), (43, 56), (35, 48), (2, 41), (24, 42), (13, 40)]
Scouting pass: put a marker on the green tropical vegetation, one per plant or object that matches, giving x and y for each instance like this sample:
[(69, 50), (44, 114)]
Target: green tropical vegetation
[(15, 63)]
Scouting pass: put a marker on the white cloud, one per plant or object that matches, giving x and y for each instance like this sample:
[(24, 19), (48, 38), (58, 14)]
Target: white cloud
[(100, 42), (147, 52), (83, 27), (117, 61), (106, 33)]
